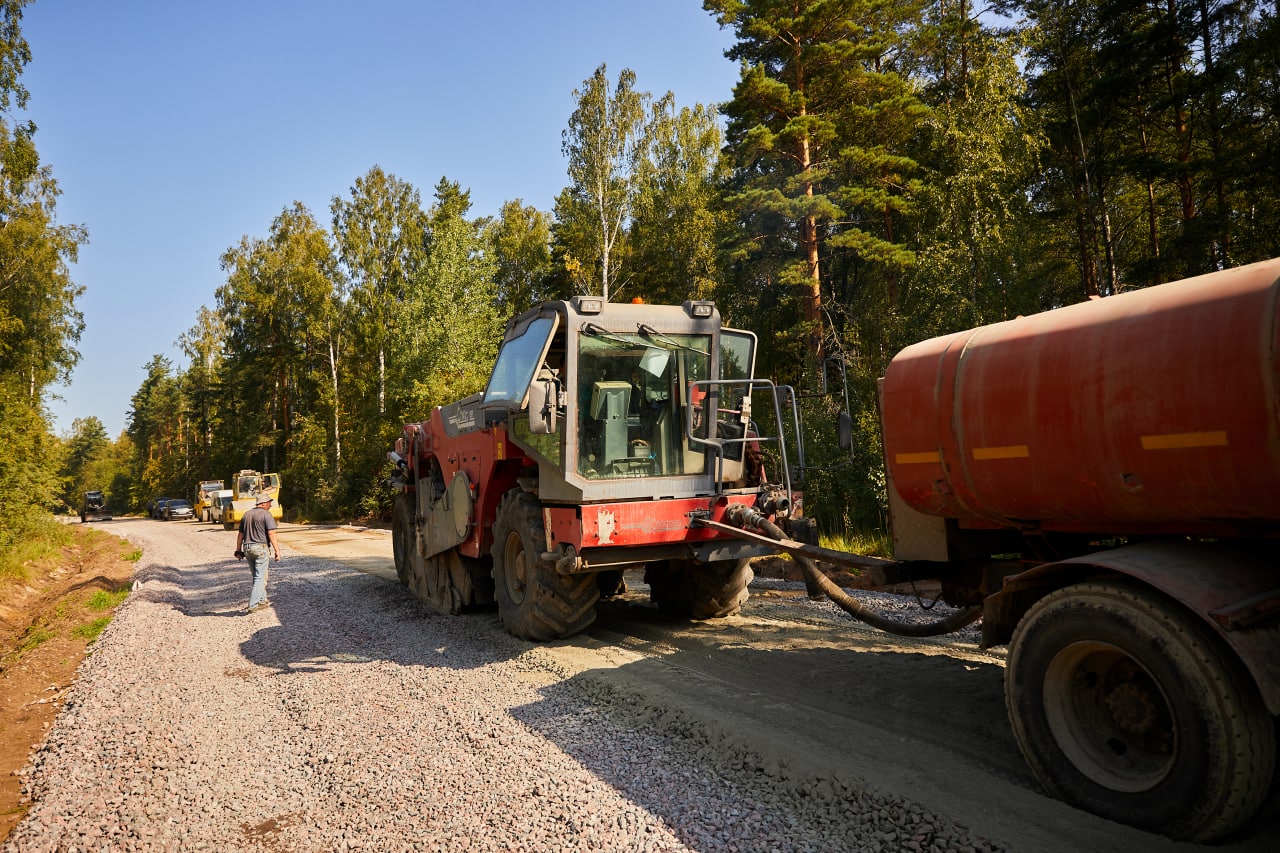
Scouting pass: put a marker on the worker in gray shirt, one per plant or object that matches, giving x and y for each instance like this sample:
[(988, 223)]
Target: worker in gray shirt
[(256, 542)]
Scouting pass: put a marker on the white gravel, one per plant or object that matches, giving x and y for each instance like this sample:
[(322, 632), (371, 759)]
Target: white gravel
[(347, 716)]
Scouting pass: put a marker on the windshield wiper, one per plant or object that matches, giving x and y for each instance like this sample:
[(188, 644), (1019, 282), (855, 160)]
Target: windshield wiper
[(597, 332), (650, 332)]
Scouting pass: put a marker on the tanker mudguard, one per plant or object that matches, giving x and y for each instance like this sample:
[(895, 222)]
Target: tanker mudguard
[(1242, 603)]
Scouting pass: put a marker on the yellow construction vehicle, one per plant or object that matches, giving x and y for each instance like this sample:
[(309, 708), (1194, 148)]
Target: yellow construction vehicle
[(247, 487)]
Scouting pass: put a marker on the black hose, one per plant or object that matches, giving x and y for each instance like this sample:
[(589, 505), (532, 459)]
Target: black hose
[(855, 608)]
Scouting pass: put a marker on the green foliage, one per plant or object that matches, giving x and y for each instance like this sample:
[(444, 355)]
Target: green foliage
[(132, 556), (438, 358), (281, 375), (890, 170), (823, 129), (869, 541), (678, 223), (521, 241), (38, 539), (26, 484), (39, 321), (1161, 128), (86, 461), (155, 429)]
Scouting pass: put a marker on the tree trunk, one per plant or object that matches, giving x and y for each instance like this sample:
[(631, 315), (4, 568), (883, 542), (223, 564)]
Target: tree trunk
[(337, 435), (809, 239), (382, 381), (1222, 252)]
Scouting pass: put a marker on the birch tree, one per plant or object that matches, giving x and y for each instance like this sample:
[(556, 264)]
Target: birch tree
[(605, 145)]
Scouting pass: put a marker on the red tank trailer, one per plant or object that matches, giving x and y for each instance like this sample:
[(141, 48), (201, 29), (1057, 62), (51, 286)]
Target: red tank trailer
[(1152, 412), (1103, 480), (1098, 484)]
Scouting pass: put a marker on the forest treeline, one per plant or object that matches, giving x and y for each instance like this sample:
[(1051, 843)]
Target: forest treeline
[(883, 171)]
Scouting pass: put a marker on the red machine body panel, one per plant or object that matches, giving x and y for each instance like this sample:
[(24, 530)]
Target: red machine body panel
[(638, 523), (489, 459), (1153, 411)]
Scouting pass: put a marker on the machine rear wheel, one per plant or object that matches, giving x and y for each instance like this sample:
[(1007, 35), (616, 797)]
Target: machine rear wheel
[(1128, 707), (535, 602), (402, 535), (687, 589)]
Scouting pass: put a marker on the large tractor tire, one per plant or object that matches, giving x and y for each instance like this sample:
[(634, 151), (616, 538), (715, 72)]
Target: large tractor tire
[(535, 602), (1127, 706), (402, 535), (686, 589)]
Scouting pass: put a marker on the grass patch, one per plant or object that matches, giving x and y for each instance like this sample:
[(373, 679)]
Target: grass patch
[(103, 600), (22, 556), (133, 556), (90, 631), (869, 542), (34, 637)]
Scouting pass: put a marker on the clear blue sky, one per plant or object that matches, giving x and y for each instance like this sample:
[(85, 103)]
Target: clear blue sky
[(174, 128)]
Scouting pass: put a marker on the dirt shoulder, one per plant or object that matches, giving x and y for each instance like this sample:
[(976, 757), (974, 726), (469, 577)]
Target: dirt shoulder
[(46, 626)]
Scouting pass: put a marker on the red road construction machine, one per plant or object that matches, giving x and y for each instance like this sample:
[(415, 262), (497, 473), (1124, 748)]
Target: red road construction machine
[(1097, 484), (590, 451)]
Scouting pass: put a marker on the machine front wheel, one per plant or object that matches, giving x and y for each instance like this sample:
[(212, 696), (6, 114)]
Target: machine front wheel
[(535, 602), (1127, 706)]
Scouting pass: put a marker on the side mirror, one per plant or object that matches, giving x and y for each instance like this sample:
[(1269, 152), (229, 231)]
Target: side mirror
[(844, 430), (542, 407)]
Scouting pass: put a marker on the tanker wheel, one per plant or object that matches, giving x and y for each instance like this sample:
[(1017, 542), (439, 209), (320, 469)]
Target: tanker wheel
[(228, 525), (535, 601), (687, 589), (1131, 708), (402, 534)]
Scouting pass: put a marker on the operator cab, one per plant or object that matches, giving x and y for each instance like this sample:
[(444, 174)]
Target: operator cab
[(632, 386)]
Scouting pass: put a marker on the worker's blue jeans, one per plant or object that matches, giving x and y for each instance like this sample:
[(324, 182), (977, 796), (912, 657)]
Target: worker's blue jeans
[(259, 557)]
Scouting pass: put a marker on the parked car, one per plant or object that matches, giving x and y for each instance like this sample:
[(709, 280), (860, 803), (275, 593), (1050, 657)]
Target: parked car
[(177, 509), (156, 508)]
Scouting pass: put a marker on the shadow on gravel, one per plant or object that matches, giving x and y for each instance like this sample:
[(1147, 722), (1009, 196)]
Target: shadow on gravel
[(205, 590), (760, 735), (333, 616), (782, 715)]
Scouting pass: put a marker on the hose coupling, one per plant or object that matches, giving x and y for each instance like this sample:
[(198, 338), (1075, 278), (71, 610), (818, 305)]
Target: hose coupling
[(774, 501)]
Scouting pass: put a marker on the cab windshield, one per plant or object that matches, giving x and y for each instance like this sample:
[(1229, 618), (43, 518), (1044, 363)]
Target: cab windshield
[(631, 403), (517, 363)]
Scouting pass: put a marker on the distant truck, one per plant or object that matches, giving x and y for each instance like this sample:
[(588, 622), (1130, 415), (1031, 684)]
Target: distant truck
[(247, 487), (205, 494), (219, 505), (94, 507)]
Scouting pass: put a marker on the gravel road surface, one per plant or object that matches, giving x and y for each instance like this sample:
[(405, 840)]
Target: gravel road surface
[(347, 716)]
